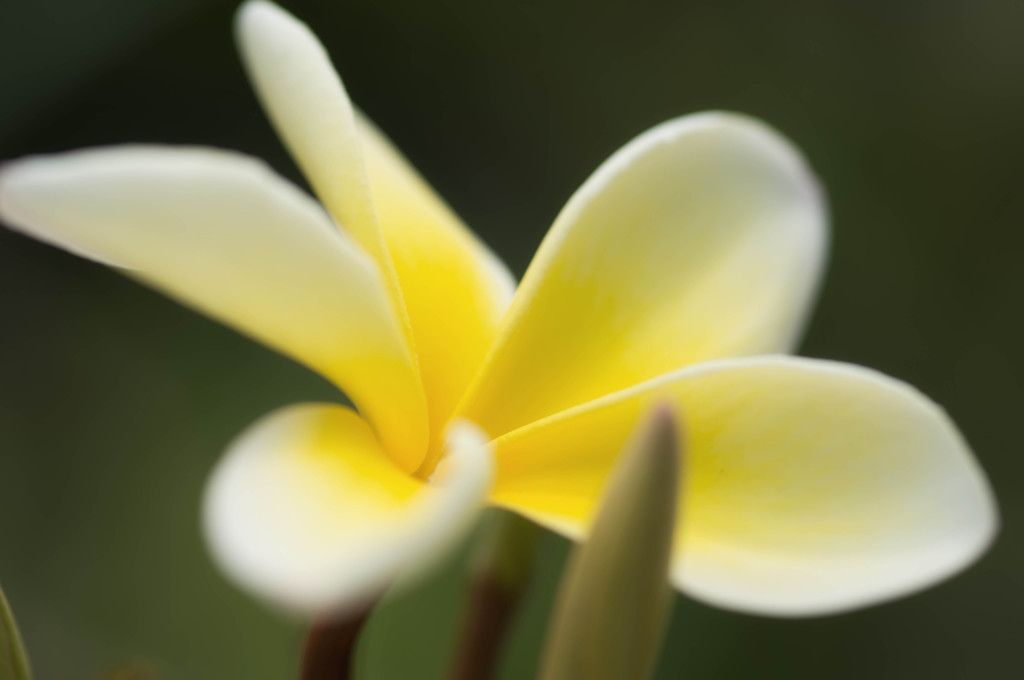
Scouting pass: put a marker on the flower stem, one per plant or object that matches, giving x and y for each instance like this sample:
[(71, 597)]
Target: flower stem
[(330, 647), (503, 568)]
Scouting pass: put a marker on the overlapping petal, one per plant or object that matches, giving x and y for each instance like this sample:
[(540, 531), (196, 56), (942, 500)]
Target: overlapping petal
[(444, 278), (702, 238), (221, 232), (450, 280), (307, 103), (306, 510), (812, 487)]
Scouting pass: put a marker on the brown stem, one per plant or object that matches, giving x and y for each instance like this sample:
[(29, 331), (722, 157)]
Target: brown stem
[(491, 608), (330, 647), (503, 569)]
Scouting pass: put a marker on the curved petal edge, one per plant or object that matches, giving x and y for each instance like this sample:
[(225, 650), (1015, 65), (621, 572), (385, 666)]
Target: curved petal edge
[(814, 487), (306, 511), (703, 238)]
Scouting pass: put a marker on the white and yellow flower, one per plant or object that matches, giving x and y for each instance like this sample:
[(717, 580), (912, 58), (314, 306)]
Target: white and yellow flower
[(679, 271)]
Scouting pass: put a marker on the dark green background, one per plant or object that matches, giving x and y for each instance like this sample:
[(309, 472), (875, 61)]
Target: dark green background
[(114, 403)]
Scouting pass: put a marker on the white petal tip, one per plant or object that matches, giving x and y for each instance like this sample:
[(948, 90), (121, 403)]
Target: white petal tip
[(263, 20), (931, 508), (750, 130), (24, 183), (254, 10)]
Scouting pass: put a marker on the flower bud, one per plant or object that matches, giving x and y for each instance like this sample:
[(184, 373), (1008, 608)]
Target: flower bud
[(614, 598), (13, 659)]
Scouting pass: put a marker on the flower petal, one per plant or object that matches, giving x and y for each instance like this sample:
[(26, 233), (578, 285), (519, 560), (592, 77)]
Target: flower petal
[(813, 487), (456, 291), (702, 238), (221, 232), (308, 105), (307, 511), (446, 278)]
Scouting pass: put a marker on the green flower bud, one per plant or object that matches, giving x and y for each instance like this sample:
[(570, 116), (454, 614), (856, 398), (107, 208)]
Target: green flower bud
[(13, 659), (614, 599)]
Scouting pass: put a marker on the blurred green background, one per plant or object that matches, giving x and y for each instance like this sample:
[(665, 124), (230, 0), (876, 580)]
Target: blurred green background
[(115, 403)]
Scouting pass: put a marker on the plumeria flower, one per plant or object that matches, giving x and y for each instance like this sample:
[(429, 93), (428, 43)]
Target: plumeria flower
[(680, 272)]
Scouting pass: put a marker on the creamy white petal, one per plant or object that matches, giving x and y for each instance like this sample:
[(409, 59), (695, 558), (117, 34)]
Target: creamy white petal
[(221, 232), (702, 238), (449, 287), (306, 511), (812, 487), (311, 111)]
